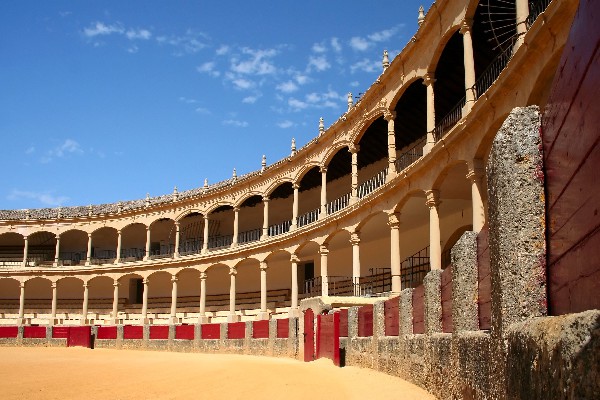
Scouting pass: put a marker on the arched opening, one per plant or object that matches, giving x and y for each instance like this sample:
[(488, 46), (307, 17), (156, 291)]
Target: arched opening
[(10, 292), (191, 234), (281, 203), (104, 246), (309, 197), (133, 242), (69, 303), (279, 282), (73, 247), (12, 245), (220, 227), (100, 297), (309, 270), (414, 240), (410, 125), (247, 288), (250, 220), (160, 288), (339, 180), (217, 292), (41, 248), (162, 238), (372, 157), (339, 264), (38, 300), (375, 253)]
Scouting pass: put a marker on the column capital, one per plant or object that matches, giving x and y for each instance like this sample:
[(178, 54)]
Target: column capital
[(116, 283), (428, 79), (433, 198), (265, 199), (465, 25), (354, 148), (147, 228), (394, 220), (176, 223), (475, 174), (263, 266), (389, 115), (53, 285), (206, 217), (355, 238), (57, 236), (85, 285), (21, 285), (236, 209), (118, 231), (294, 258), (25, 237), (295, 186), (232, 271), (174, 278), (323, 250), (89, 234), (323, 169), (203, 276), (145, 281)]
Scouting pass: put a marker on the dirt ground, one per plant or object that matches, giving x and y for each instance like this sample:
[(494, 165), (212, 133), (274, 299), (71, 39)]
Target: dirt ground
[(69, 373)]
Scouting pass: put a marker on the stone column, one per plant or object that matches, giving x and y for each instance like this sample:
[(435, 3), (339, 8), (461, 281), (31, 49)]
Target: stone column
[(475, 175), (355, 242), (465, 312), (57, 251), (145, 303), (432, 301), (88, 258), (54, 301), (205, 235), (324, 252), (435, 250), (354, 194), (295, 207), (465, 30), (202, 319), (236, 226), (232, 317), (395, 256), (176, 252), (148, 236), (84, 312), (25, 250), (294, 306), (119, 242), (115, 306), (428, 81), (265, 227), (390, 117), (323, 192), (173, 317), (522, 14), (21, 320), (263, 314)]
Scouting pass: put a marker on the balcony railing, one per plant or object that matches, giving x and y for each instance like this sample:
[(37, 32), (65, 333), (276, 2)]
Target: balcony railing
[(280, 228), (377, 283), (338, 204), (218, 242), (492, 72), (368, 186), (189, 247), (249, 236), (133, 254), (449, 120), (414, 269), (308, 217), (536, 7), (411, 155)]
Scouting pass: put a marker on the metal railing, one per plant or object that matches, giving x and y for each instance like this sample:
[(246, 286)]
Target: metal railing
[(133, 254), (377, 283), (414, 269), (249, 236), (218, 242), (368, 186), (535, 9), (411, 155), (280, 228), (338, 204), (449, 120), (308, 217), (193, 246), (492, 72)]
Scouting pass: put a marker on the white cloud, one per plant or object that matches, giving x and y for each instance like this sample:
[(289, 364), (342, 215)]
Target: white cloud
[(189, 43), (133, 49), (258, 63), (296, 104), (319, 48), (287, 87), (319, 63), (30, 150), (336, 45), (354, 83), (328, 99), (187, 100), (221, 51), (69, 146), (143, 34), (99, 28), (250, 99), (243, 84), (301, 79), (202, 110), (285, 124), (359, 44), (365, 65), (236, 123), (44, 198), (208, 68), (384, 35)]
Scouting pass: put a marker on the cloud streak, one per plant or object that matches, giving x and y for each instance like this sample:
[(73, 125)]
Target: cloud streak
[(44, 198)]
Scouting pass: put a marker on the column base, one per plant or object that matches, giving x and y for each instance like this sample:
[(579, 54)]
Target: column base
[(294, 313), (21, 321), (427, 148), (203, 319), (174, 321), (233, 318), (263, 315), (145, 321)]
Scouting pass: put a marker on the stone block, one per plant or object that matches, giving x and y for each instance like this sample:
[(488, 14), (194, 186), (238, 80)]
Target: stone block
[(465, 314), (405, 310), (432, 301)]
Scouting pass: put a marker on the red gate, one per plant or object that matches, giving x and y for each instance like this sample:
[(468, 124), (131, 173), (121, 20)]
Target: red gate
[(328, 337), (80, 336), (309, 335)]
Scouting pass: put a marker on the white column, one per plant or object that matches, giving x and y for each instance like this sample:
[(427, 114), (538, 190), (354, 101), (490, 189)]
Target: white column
[(323, 192), (176, 252), (435, 250), (119, 242), (202, 319), (205, 235), (296, 188), (148, 236), (173, 317), (465, 30), (145, 303), (232, 317), (236, 226), (390, 117), (84, 312), (265, 228), (88, 258), (428, 81), (294, 306), (395, 256), (475, 176), (57, 251), (25, 250), (115, 307), (324, 252), (21, 320), (355, 241), (263, 291), (522, 14), (54, 301), (354, 149)]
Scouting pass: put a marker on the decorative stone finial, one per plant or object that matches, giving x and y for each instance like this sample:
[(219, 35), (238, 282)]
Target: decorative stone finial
[(58, 214), (321, 126), (175, 194), (90, 210), (205, 183), (263, 164), (350, 101), (27, 214), (293, 147), (386, 60), (421, 15), (119, 207), (234, 176), (147, 203)]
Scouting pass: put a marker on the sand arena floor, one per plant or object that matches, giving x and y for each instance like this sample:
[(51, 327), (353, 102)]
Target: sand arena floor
[(78, 373)]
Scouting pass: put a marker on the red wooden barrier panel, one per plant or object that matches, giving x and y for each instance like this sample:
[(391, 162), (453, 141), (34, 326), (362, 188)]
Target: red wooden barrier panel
[(571, 144), (283, 328), (106, 332), (211, 331), (418, 310), (34, 332), (484, 288), (133, 332), (365, 321), (60, 332), (309, 335), (159, 332), (236, 330), (343, 322), (8, 332), (260, 329), (328, 337), (80, 336), (392, 316), (446, 284), (185, 332)]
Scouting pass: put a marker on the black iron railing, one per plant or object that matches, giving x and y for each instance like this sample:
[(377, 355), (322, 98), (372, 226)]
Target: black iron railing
[(414, 269), (368, 186), (411, 155), (249, 236), (449, 120), (536, 7)]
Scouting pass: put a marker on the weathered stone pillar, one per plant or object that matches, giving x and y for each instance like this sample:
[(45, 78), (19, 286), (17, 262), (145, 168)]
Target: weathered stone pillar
[(355, 242), (52, 320), (236, 226), (232, 317), (296, 188), (465, 30), (435, 250), (21, 319), (522, 14), (324, 252), (406, 312), (119, 244), (57, 251), (395, 257), (390, 116), (88, 256), (148, 237), (205, 235), (263, 314), (428, 81), (115, 305), (465, 313), (432, 285), (173, 317), (202, 319), (145, 303), (265, 228), (84, 312), (323, 192), (475, 176), (176, 252), (25, 250), (354, 149), (294, 306)]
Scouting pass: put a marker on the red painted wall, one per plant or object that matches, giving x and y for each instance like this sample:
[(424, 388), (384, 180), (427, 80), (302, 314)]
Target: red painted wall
[(159, 332), (571, 141), (185, 332), (80, 336), (260, 329), (8, 332), (418, 310), (484, 278), (133, 332), (344, 322), (107, 332), (211, 331), (328, 337), (236, 330), (365, 321), (34, 332), (60, 332), (283, 328), (392, 316), (446, 284)]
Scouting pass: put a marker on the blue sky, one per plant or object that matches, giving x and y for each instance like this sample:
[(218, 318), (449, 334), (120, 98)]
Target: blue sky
[(107, 101)]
